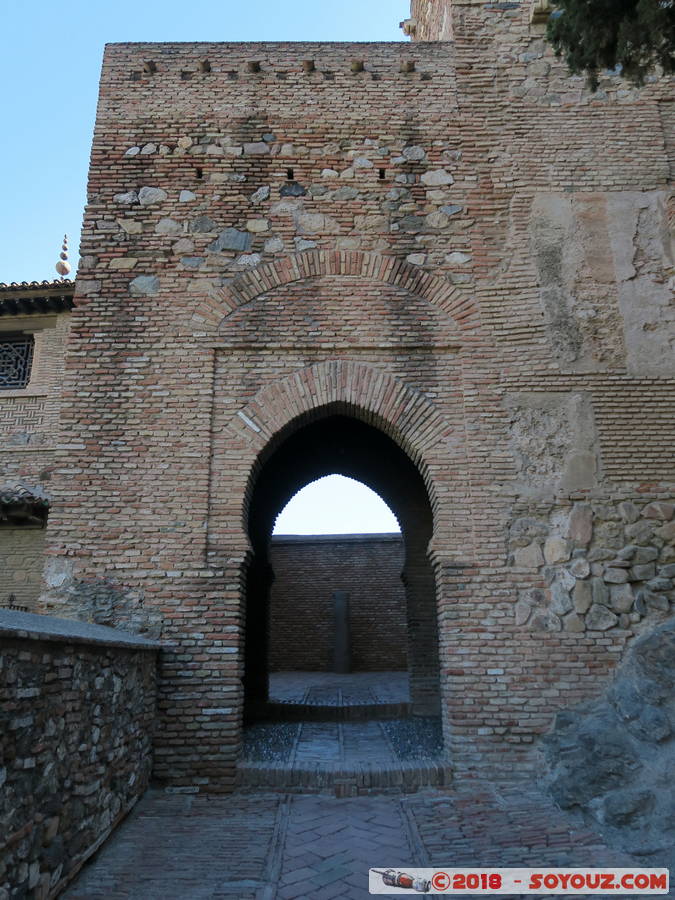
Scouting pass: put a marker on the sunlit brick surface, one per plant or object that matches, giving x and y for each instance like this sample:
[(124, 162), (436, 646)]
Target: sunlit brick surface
[(471, 255)]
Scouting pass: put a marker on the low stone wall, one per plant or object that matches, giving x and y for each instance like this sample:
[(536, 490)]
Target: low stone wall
[(308, 570), (77, 711)]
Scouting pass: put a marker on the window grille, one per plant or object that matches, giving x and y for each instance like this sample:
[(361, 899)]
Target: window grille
[(16, 357)]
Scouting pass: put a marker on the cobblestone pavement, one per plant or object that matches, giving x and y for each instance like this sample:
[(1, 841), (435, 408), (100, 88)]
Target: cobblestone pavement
[(317, 847), (392, 749)]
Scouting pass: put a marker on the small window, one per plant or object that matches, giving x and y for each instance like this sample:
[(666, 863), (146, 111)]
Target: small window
[(16, 359)]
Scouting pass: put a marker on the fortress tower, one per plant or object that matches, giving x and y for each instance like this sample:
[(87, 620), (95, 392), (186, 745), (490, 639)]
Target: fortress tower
[(442, 268)]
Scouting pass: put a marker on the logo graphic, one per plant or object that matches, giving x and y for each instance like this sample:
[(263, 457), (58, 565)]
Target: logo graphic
[(441, 881), (392, 878)]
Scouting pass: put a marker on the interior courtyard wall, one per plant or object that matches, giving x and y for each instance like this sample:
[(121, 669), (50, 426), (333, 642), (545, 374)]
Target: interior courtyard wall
[(244, 264), (307, 572)]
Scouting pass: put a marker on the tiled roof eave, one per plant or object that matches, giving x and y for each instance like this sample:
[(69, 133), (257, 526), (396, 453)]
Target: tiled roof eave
[(58, 285), (21, 506), (34, 305), (36, 297)]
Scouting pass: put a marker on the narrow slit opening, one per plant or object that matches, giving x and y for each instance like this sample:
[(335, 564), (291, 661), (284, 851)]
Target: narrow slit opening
[(290, 175), (383, 174), (199, 172)]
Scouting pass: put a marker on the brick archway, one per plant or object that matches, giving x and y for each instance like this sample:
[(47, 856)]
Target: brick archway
[(334, 441), (218, 303), (343, 386), (246, 438)]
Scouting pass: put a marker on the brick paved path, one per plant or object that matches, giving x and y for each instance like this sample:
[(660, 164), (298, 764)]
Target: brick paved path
[(175, 846), (264, 847)]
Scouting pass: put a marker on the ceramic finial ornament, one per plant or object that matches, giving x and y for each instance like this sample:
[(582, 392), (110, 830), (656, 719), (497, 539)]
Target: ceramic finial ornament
[(63, 266)]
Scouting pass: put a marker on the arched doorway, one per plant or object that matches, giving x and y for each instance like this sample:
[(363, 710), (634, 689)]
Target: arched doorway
[(349, 417), (338, 443), (338, 629)]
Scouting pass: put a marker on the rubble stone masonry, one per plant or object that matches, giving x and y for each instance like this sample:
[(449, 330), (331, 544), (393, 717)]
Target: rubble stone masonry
[(77, 707), (456, 243)]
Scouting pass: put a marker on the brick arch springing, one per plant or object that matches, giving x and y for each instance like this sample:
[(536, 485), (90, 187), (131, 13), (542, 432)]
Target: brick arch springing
[(218, 304)]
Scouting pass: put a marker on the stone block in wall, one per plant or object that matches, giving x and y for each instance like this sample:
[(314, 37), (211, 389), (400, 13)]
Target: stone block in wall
[(554, 442), (596, 587)]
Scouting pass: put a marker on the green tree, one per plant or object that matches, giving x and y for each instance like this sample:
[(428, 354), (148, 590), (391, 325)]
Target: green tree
[(593, 35)]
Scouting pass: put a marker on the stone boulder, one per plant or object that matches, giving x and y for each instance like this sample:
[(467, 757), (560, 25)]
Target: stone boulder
[(614, 759)]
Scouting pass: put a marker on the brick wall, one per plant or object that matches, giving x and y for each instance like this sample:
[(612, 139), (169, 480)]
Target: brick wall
[(78, 708), (307, 571), (432, 20), (457, 244), (29, 435)]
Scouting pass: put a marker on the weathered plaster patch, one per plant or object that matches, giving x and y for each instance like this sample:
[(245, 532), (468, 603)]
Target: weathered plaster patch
[(97, 600), (572, 254), (642, 248), (600, 261)]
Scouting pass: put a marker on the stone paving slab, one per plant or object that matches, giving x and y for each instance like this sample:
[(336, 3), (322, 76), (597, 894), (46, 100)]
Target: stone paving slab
[(318, 847), (353, 757), (330, 688)]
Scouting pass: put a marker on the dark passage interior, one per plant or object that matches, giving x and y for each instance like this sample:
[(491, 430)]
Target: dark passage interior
[(339, 444)]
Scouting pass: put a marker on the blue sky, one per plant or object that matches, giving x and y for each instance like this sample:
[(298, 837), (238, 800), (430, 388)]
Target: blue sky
[(49, 70)]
